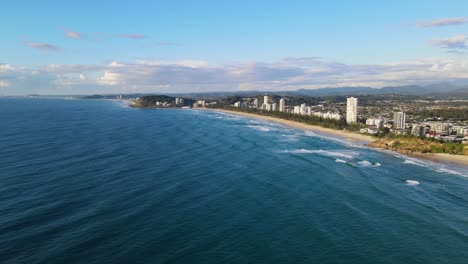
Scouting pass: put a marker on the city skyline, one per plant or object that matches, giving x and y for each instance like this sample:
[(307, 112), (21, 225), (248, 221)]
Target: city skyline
[(207, 46)]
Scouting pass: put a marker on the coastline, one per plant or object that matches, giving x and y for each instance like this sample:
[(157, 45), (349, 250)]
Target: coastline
[(351, 136)]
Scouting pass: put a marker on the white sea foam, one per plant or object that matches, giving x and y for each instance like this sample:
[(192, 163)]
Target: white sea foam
[(300, 151), (412, 182), (408, 161), (340, 161), (366, 163), (260, 128), (444, 170), (310, 134), (290, 138), (324, 153)]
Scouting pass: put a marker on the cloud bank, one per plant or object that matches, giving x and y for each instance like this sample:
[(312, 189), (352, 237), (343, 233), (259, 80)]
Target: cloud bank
[(456, 42), (442, 22), (43, 46), (199, 76)]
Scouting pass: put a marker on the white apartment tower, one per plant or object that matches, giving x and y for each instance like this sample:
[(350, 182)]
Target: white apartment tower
[(351, 110), (399, 120), (282, 105), (274, 106), (303, 109)]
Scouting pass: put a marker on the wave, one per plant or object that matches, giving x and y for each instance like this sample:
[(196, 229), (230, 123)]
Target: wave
[(340, 161), (260, 128), (366, 163), (290, 138), (323, 153), (412, 182), (444, 170), (408, 161), (300, 151)]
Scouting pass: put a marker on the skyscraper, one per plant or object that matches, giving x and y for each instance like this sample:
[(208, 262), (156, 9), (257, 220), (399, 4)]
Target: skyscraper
[(265, 102), (282, 105), (255, 103), (303, 109), (399, 120), (351, 110), (274, 106)]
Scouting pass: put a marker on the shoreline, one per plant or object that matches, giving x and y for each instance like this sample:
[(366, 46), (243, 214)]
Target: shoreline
[(350, 136)]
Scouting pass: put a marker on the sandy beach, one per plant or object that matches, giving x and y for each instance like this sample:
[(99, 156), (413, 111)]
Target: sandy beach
[(328, 131), (351, 136)]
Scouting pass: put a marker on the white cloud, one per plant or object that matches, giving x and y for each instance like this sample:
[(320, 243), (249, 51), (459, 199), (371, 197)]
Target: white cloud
[(43, 46), (188, 75), (456, 42), (442, 22), (109, 78), (73, 34)]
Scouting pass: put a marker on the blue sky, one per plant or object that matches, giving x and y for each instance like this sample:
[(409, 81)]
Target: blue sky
[(177, 46)]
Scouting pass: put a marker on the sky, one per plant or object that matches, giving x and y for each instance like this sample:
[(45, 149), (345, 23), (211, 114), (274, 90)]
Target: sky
[(88, 47)]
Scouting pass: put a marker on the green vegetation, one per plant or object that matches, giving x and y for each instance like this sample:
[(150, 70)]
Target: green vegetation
[(409, 144), (150, 101), (460, 114)]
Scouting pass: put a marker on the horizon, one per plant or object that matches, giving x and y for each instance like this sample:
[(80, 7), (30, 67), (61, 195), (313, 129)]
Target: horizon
[(208, 47)]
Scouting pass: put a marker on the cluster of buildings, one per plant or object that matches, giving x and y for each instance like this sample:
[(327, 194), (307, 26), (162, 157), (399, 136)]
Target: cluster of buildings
[(302, 109), (397, 124), (199, 103)]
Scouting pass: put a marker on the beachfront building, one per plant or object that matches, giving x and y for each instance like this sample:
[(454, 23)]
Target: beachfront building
[(274, 106), (351, 110), (238, 104), (177, 101), (282, 105), (297, 110), (399, 120), (265, 102), (418, 130), (377, 123), (303, 109), (440, 128), (255, 103)]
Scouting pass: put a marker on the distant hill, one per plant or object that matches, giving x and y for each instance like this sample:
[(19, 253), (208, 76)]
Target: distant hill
[(438, 89), (433, 89)]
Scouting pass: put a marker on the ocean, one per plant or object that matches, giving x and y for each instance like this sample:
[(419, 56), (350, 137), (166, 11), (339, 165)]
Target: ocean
[(96, 181)]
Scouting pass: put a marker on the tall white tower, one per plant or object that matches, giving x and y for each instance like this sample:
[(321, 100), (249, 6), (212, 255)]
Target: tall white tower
[(399, 120), (282, 105), (255, 103), (351, 110)]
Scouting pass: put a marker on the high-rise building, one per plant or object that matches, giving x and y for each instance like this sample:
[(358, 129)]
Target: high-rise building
[(282, 105), (268, 107), (297, 110), (351, 110), (303, 109), (399, 120), (177, 101), (274, 106), (265, 99), (418, 131), (255, 103)]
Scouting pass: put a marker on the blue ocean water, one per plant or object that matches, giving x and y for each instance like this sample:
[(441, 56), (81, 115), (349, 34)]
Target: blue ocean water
[(89, 181)]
